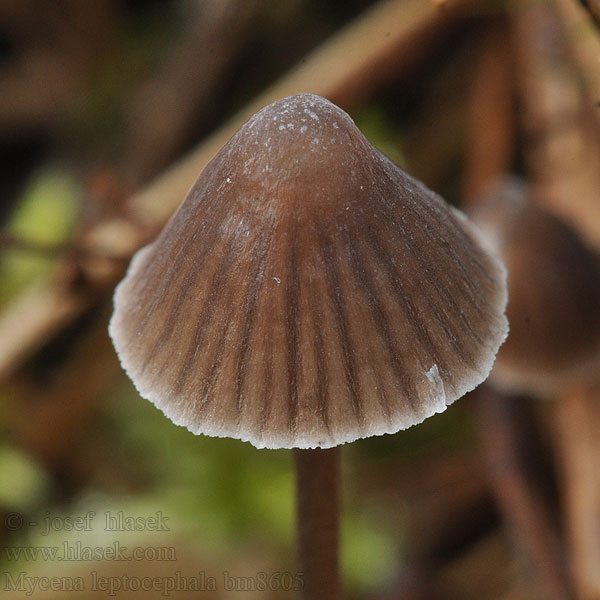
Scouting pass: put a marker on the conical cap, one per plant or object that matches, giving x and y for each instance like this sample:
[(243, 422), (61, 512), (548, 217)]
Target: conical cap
[(308, 292)]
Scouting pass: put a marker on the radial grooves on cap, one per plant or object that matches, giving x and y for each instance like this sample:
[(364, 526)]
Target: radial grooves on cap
[(163, 259), (321, 382), (293, 326), (173, 306), (395, 280), (184, 279), (342, 329), (444, 294), (445, 262), (158, 297), (381, 322), (305, 290), (414, 317), (330, 390), (204, 318), (251, 303), (361, 273), (265, 410), (448, 229), (207, 394), (475, 297), (443, 297)]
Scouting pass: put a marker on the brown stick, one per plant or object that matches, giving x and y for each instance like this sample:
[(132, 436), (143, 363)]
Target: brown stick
[(593, 9), (195, 70), (318, 491), (578, 424), (491, 122), (563, 149), (583, 41), (519, 498), (69, 402)]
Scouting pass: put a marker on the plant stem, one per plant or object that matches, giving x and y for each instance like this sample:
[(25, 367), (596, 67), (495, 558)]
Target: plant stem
[(318, 494)]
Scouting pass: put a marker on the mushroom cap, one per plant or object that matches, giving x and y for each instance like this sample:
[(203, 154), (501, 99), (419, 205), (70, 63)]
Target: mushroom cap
[(308, 292), (554, 293)]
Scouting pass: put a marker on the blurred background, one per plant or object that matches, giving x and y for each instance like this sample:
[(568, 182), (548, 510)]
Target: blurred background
[(109, 109)]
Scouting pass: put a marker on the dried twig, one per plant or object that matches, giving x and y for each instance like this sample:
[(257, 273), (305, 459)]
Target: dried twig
[(583, 40), (44, 79), (519, 496), (578, 424), (186, 84), (491, 119), (62, 403), (39, 313), (563, 148), (593, 9)]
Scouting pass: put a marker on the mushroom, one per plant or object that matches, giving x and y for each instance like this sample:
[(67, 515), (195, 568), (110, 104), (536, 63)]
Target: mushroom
[(308, 292), (554, 291)]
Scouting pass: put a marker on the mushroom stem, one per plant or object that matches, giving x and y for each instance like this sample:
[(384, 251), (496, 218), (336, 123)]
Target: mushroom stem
[(318, 493)]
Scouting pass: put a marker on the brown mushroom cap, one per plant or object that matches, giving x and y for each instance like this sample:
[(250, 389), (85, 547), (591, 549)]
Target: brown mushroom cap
[(308, 292), (554, 292)]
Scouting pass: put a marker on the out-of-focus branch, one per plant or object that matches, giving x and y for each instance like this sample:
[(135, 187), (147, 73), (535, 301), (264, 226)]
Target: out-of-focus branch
[(44, 80), (593, 9), (443, 509), (583, 40), (578, 424), (39, 313), (62, 403), (519, 498), (563, 145), (491, 121), (434, 140), (185, 84), (564, 154), (44, 309), (346, 68)]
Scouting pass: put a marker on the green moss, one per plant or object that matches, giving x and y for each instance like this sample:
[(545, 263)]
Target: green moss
[(381, 132), (28, 482), (45, 216), (368, 553)]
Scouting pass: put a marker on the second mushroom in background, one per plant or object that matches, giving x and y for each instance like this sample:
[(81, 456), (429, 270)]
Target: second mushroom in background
[(554, 293)]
